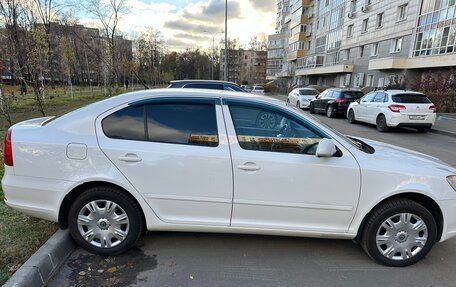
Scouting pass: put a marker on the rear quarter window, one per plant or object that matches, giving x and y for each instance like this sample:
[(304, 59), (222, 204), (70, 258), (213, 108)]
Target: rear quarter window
[(411, 99)]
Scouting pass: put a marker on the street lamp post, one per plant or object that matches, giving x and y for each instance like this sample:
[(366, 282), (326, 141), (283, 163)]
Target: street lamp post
[(226, 40), (213, 51)]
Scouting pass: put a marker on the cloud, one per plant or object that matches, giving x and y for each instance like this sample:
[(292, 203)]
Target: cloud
[(263, 5)]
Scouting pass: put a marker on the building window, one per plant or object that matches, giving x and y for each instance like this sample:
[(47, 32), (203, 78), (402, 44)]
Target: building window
[(370, 80), (350, 31), (396, 45), (365, 25), (402, 12), (374, 51), (361, 51), (379, 23), (345, 55), (353, 6)]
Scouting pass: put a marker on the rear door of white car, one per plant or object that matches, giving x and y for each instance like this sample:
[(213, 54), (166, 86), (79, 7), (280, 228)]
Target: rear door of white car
[(279, 183), (175, 153)]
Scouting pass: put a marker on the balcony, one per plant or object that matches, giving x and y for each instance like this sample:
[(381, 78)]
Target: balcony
[(299, 37), (399, 63), (300, 3), (294, 55), (325, 70), (299, 21)]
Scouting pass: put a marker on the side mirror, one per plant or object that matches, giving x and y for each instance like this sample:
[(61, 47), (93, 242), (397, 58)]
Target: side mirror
[(326, 148)]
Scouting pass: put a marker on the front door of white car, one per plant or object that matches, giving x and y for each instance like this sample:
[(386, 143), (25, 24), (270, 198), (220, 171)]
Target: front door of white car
[(175, 153), (279, 183)]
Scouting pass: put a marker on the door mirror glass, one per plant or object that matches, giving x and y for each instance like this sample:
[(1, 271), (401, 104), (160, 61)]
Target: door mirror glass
[(326, 148)]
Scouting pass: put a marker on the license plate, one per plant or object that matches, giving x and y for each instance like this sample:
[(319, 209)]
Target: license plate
[(417, 118)]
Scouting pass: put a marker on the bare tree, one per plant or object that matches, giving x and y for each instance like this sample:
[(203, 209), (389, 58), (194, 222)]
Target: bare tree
[(109, 13)]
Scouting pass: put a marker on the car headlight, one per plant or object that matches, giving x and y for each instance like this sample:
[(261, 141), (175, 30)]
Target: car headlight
[(452, 181)]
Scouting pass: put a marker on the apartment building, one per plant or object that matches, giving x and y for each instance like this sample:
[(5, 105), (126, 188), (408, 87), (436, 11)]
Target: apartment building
[(245, 67), (367, 43)]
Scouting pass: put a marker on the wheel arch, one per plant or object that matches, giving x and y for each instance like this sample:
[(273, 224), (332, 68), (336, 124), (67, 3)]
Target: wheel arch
[(78, 190), (422, 199)]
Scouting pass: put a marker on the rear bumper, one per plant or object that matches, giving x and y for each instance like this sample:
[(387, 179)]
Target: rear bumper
[(401, 120), (37, 197)]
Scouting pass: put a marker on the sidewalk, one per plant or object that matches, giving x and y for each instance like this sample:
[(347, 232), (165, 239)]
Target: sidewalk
[(445, 124)]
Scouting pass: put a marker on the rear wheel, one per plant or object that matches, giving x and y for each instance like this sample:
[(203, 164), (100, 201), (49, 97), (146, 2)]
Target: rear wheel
[(423, 130), (351, 117), (381, 124), (329, 112), (399, 232), (105, 221)]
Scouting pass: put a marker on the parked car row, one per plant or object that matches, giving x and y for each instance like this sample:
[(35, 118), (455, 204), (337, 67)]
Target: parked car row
[(384, 108)]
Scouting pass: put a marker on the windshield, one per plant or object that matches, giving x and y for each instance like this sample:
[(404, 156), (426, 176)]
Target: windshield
[(308, 92), (411, 99), (353, 94), (350, 141)]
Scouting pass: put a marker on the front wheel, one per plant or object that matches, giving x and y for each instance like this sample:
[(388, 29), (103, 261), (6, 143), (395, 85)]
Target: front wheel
[(399, 232), (105, 221), (311, 108), (423, 130), (298, 104)]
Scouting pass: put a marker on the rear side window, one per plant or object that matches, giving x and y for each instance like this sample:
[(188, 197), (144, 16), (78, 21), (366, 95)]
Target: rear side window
[(232, 88), (182, 123), (127, 124), (411, 99), (204, 86), (352, 94), (176, 123)]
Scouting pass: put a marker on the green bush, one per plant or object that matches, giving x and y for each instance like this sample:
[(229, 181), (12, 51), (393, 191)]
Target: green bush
[(444, 102)]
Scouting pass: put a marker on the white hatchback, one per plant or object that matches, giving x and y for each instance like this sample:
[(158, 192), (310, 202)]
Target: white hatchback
[(214, 161), (394, 108), (301, 97), (258, 89)]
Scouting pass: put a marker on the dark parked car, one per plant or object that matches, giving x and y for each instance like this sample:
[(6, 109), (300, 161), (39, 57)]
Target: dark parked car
[(206, 84), (334, 102)]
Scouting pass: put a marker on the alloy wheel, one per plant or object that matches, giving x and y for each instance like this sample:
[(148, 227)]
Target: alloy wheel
[(402, 236)]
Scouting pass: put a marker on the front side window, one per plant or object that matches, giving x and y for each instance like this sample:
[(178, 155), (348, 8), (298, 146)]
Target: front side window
[(368, 98), (182, 123), (260, 129)]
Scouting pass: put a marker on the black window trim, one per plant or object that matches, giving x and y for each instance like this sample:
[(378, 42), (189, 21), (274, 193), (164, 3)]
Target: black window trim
[(162, 100)]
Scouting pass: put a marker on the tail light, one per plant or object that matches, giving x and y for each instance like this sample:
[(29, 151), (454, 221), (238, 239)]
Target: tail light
[(340, 100), (396, 108), (433, 109), (8, 150)]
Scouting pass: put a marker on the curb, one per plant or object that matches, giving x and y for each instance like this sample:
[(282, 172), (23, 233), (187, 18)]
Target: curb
[(442, 132), (39, 268)]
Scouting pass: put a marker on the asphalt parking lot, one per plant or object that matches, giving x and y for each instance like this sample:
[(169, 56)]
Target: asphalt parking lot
[(191, 259)]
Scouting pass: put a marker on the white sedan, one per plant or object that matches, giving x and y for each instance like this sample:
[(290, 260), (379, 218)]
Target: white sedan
[(214, 161), (394, 108), (301, 97)]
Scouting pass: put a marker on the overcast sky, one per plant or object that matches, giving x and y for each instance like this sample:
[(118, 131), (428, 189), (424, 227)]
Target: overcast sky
[(183, 22)]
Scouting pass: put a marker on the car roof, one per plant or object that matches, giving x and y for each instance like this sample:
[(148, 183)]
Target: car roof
[(399, 92), (344, 90), (202, 81)]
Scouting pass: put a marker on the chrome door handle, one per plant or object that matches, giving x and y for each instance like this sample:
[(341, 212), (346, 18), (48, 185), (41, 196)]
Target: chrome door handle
[(249, 167), (130, 157)]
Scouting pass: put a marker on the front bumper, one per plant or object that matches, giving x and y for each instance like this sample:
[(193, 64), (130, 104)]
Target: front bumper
[(449, 218)]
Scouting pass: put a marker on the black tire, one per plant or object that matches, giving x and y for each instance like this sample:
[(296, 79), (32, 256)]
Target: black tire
[(129, 206), (288, 100), (298, 104), (423, 130), (387, 210), (329, 112), (311, 108), (381, 124), (351, 117)]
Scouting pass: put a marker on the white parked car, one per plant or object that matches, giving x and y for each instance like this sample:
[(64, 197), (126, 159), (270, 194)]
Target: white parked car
[(258, 89), (214, 161), (301, 97), (394, 108)]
